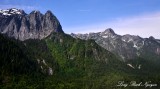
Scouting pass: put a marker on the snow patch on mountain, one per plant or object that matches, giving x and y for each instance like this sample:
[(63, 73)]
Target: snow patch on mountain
[(130, 65), (139, 67), (105, 36), (11, 11), (50, 71)]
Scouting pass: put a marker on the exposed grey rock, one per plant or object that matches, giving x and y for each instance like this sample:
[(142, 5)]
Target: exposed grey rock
[(16, 23), (126, 47)]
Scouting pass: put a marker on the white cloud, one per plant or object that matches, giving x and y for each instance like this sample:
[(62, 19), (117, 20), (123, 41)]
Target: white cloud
[(144, 25)]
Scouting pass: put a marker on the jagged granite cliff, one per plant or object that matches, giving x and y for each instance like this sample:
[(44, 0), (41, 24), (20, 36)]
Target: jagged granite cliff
[(19, 25), (126, 47)]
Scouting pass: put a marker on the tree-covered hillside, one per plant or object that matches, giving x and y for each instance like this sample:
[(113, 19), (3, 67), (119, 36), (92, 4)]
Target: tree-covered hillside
[(62, 62)]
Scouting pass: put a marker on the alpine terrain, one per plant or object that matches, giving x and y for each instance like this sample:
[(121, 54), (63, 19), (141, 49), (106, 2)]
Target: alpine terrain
[(126, 47), (35, 53)]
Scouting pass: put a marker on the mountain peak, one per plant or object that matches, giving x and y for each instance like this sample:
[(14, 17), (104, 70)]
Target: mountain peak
[(35, 11), (15, 23), (49, 12), (108, 31), (12, 11), (151, 38)]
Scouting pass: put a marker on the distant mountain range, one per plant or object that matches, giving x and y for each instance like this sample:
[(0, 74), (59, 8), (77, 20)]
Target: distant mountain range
[(35, 53), (126, 47)]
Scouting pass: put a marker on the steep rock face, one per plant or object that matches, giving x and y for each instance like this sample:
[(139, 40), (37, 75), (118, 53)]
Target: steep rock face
[(16, 23), (127, 47)]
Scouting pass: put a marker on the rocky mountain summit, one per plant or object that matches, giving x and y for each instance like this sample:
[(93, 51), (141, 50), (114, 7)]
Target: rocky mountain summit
[(126, 47), (19, 25)]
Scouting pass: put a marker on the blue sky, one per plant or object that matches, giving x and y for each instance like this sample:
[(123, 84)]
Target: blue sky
[(137, 17)]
